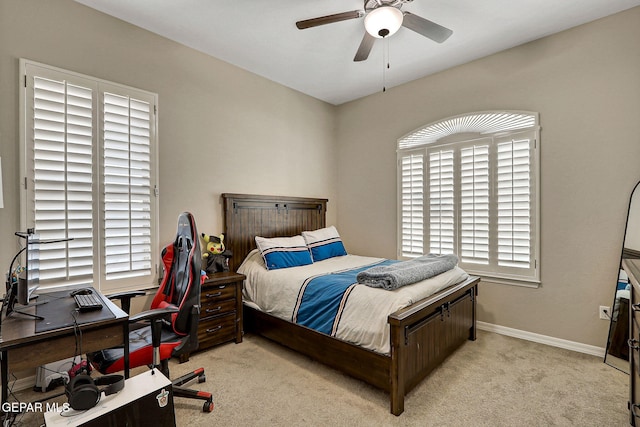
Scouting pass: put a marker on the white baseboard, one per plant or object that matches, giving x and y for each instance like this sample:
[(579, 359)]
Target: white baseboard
[(542, 339)]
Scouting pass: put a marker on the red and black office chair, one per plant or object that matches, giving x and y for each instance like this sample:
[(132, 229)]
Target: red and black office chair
[(169, 328)]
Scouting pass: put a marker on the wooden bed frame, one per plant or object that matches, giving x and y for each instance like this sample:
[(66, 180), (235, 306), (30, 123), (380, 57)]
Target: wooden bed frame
[(422, 335)]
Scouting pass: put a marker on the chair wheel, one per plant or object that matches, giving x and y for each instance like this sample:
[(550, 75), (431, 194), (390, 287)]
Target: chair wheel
[(202, 378), (208, 406)]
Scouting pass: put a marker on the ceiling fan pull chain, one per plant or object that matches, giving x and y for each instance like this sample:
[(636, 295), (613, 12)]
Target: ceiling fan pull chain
[(388, 55), (384, 73), (385, 62)]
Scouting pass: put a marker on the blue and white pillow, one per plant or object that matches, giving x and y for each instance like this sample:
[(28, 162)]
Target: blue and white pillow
[(324, 243), (283, 252)]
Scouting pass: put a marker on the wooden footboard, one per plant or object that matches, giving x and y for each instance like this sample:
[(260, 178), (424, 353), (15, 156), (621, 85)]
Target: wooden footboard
[(424, 334)]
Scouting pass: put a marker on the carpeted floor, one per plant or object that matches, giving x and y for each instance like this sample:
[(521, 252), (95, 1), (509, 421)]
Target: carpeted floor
[(494, 381)]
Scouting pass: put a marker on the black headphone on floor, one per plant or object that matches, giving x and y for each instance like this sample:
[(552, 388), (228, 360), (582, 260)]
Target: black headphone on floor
[(84, 393)]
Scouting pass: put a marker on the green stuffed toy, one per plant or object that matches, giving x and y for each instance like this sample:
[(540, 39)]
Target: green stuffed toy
[(215, 254)]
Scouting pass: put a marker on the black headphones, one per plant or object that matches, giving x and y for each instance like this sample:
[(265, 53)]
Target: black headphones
[(83, 392)]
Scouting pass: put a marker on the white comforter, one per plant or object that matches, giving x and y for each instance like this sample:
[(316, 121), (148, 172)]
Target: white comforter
[(364, 319)]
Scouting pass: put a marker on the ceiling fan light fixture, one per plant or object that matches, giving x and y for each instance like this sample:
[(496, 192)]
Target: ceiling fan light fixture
[(383, 21)]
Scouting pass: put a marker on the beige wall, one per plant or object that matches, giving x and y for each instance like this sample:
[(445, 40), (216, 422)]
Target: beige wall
[(220, 124), (221, 129), (585, 83)]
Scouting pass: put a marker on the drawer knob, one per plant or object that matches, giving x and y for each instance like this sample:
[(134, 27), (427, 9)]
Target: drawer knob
[(633, 343), (635, 307), (213, 310), (217, 294), (212, 330)]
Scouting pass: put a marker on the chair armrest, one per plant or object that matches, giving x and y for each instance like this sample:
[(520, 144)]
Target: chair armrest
[(155, 316), (125, 298), (156, 313)]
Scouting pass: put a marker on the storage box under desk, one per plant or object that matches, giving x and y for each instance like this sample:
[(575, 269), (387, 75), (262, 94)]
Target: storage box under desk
[(146, 398)]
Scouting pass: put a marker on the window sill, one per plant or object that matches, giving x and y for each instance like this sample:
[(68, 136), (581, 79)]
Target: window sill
[(507, 281)]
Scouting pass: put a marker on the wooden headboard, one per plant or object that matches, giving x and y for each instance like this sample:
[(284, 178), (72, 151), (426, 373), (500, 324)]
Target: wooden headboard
[(250, 215)]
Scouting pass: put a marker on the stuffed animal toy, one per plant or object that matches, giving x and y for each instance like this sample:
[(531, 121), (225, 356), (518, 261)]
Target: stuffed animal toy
[(215, 255), (214, 244)]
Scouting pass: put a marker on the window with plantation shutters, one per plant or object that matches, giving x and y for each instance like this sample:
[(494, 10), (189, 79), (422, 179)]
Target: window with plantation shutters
[(88, 161), (481, 198)]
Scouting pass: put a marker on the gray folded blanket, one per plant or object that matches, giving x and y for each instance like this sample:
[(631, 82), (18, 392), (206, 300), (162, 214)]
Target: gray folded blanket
[(404, 273)]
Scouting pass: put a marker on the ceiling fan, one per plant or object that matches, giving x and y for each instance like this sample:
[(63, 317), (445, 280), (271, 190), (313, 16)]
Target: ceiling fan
[(382, 19)]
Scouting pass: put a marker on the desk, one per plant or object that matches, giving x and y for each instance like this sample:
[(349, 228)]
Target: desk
[(21, 347)]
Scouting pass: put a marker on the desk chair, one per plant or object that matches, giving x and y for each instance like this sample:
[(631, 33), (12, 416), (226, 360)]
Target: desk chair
[(170, 326)]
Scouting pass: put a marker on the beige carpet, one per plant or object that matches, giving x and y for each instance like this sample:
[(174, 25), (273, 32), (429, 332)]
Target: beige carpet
[(494, 381)]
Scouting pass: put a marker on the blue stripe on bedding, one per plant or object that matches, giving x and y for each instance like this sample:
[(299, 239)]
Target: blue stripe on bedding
[(322, 298)]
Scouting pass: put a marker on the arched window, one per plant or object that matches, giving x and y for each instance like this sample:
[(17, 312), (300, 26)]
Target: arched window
[(469, 185)]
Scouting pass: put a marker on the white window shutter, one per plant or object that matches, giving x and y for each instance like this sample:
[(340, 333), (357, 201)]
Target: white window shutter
[(474, 204), (127, 187), (514, 203), (441, 202), (63, 177), (412, 204)]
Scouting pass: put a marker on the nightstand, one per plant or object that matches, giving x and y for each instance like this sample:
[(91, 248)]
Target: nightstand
[(220, 310)]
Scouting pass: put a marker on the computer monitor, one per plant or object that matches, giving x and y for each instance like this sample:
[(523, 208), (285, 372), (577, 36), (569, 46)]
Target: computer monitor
[(20, 291), (28, 280)]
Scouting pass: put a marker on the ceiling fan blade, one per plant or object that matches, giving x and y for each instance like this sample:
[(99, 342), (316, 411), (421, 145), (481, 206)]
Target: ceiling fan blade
[(329, 19), (365, 47), (429, 29)]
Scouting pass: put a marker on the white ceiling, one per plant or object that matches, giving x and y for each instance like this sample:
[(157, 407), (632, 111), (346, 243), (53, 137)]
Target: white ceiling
[(261, 36)]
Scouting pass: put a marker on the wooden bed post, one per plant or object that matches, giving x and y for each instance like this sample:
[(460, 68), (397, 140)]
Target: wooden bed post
[(474, 312), (396, 370)]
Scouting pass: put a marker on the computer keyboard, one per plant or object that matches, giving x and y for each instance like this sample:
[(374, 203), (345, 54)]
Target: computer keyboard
[(88, 302)]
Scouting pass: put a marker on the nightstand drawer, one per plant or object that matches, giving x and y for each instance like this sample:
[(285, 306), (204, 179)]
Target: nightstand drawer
[(217, 330), (217, 293), (216, 308)]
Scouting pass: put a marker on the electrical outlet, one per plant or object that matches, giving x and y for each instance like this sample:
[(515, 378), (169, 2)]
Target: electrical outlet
[(605, 312)]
